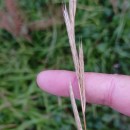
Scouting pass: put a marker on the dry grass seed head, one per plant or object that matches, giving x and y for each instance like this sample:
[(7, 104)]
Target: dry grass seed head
[(75, 110), (77, 57)]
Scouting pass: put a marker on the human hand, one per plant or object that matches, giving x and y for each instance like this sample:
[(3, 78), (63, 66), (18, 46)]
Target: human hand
[(106, 89)]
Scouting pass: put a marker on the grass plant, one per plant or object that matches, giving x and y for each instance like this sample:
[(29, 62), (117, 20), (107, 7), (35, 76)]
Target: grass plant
[(106, 44)]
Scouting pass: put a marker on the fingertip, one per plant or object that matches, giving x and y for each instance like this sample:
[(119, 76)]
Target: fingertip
[(42, 79), (54, 81), (39, 79)]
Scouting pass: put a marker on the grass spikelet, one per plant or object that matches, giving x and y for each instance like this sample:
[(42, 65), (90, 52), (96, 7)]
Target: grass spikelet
[(75, 110), (77, 56)]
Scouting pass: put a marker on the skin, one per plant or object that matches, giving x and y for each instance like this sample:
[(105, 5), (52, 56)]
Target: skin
[(105, 89)]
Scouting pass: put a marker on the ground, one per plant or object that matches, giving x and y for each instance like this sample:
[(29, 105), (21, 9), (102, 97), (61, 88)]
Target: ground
[(105, 35)]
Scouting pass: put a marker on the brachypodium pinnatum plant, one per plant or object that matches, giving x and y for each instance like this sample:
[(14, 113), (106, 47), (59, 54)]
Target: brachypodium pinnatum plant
[(78, 60)]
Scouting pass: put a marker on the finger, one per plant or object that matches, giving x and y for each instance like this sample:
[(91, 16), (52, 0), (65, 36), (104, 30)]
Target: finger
[(105, 89)]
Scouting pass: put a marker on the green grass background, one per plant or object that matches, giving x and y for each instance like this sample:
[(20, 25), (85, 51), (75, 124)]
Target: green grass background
[(106, 44)]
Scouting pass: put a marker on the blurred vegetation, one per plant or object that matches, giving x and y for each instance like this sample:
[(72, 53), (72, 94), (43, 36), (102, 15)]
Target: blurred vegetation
[(106, 40)]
